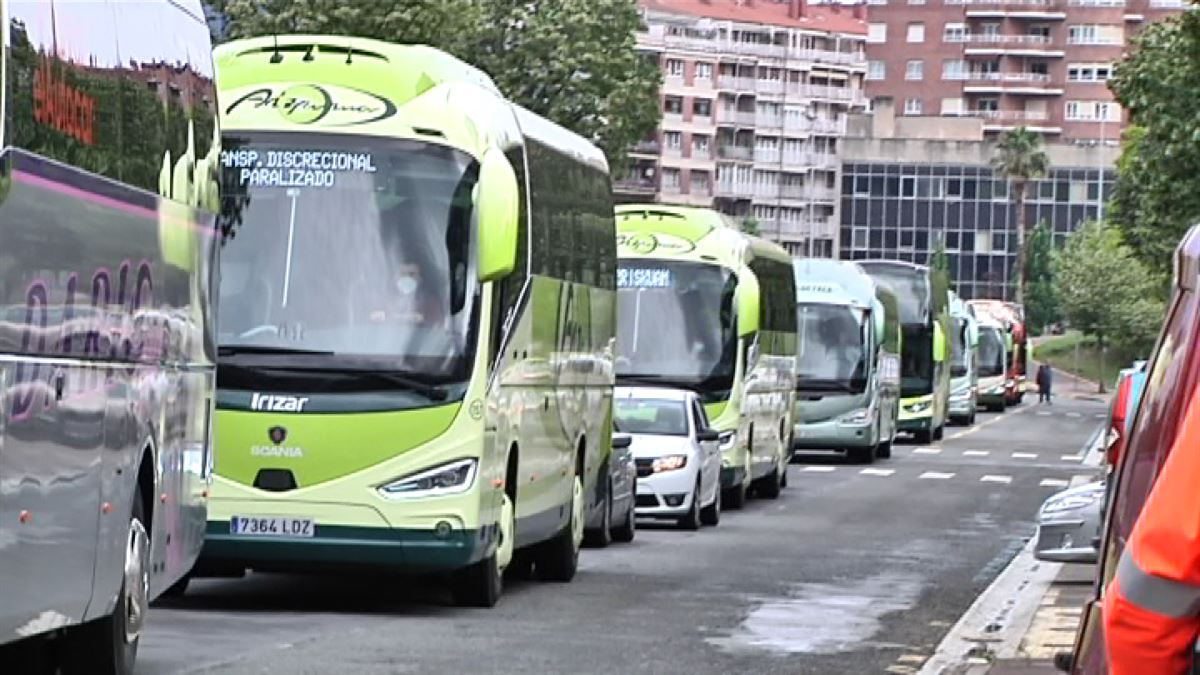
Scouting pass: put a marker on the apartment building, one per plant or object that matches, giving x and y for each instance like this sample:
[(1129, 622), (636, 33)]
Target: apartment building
[(911, 182), (1041, 64), (755, 101)]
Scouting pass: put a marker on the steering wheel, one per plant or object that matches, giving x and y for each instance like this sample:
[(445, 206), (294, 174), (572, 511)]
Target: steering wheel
[(259, 330)]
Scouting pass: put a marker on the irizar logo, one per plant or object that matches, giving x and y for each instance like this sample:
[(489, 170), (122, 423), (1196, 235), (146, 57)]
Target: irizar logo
[(272, 403)]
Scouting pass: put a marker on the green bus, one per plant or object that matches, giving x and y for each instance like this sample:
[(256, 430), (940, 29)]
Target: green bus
[(923, 296), (416, 320), (848, 361), (704, 307)]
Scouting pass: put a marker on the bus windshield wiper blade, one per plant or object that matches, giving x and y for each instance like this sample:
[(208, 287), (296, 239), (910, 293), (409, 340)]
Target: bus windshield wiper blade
[(231, 350), (429, 391)]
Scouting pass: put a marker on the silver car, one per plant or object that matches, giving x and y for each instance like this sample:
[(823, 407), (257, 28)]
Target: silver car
[(1069, 525)]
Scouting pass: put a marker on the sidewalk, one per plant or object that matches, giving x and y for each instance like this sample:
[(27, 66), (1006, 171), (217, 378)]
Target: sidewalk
[(1054, 625)]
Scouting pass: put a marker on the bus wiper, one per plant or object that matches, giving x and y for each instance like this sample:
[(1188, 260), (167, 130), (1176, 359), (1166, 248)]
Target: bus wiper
[(826, 385), (429, 391), (233, 350)]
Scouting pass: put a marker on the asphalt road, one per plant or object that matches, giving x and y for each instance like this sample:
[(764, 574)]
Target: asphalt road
[(852, 570)]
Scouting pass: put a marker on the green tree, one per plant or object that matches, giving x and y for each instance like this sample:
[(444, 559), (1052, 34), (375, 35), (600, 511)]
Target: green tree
[(1041, 296), (750, 226), (1157, 193), (1106, 292), (572, 61), (1020, 159)]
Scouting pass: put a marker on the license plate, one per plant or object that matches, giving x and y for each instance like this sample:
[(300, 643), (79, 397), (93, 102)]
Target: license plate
[(252, 526)]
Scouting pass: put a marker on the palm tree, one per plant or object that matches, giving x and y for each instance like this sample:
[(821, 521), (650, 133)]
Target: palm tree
[(1020, 159)]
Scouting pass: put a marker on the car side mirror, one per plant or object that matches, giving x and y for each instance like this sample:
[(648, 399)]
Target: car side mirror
[(497, 203), (621, 441), (706, 435)]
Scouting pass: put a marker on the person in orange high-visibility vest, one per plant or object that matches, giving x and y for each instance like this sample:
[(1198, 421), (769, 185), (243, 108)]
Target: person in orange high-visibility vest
[(1152, 606)]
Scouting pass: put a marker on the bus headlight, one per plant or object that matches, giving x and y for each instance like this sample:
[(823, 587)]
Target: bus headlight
[(448, 479), (918, 407), (727, 439), (860, 416), (669, 463)]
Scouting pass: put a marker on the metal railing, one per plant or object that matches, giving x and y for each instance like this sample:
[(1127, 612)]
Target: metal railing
[(745, 118), (735, 152), (1008, 115), (639, 185), (1008, 77), (723, 189), (1002, 39)]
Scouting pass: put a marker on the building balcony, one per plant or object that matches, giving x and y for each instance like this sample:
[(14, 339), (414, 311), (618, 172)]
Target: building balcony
[(1002, 39), (766, 156), (703, 120), (767, 121), (847, 94), (1008, 115), (824, 160), (976, 76), (735, 152), (744, 118), (815, 126), (672, 118), (651, 148), (1169, 4), (769, 86), (734, 190), (635, 186), (852, 59), (733, 83)]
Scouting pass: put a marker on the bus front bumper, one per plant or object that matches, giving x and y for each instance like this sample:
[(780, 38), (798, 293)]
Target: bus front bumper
[(834, 434), (435, 543), (916, 414)]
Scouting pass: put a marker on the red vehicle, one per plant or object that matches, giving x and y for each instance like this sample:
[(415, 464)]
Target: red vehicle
[(1012, 316), (1173, 368)]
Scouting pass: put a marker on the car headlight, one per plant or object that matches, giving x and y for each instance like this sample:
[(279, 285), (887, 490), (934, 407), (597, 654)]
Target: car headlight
[(1010, 383), (1069, 503), (860, 416), (451, 478), (960, 395), (997, 390), (668, 463), (919, 406), (727, 440)]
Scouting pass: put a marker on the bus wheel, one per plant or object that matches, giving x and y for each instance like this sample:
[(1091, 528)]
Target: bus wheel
[(558, 559), (884, 450), (602, 536), (923, 436), (769, 487), (179, 588), (108, 646), (861, 455), (939, 433), (734, 497), (481, 584)]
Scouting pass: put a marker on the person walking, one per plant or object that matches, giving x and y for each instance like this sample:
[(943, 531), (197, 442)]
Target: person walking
[(1045, 380), (1151, 609)]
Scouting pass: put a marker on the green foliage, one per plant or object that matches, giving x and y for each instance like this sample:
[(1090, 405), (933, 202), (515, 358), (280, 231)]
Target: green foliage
[(572, 61), (1019, 158), (1106, 292), (1157, 194), (750, 226), (938, 260), (1041, 296)]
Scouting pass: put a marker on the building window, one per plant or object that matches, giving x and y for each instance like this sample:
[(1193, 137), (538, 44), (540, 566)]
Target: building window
[(699, 183), (673, 105), (673, 140), (916, 32), (877, 33), (670, 178), (700, 146), (1095, 34), (674, 68), (877, 70), (912, 106), (954, 69), (988, 104), (952, 106), (1089, 72), (915, 70), (704, 71), (1108, 112), (702, 107), (955, 32)]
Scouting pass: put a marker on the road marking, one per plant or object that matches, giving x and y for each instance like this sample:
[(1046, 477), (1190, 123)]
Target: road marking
[(1024, 455), (936, 475), (995, 479), (1054, 482), (1043, 413), (1072, 458), (877, 472), (819, 469), (927, 451), (1072, 414), (976, 453), (985, 423)]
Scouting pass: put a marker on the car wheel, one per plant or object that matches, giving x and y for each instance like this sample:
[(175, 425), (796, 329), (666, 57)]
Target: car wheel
[(558, 559), (711, 514), (626, 531), (691, 519), (602, 536), (108, 646)]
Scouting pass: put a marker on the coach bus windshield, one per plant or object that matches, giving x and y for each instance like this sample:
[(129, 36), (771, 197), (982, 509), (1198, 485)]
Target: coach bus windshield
[(676, 325), (347, 254)]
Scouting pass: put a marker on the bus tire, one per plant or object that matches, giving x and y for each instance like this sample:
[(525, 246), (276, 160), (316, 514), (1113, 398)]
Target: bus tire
[(179, 588), (601, 536), (939, 433), (735, 497), (558, 559), (769, 487), (861, 455), (481, 584), (884, 450), (108, 645), (923, 436)]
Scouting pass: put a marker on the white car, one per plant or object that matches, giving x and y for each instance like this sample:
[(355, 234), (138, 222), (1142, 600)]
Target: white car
[(678, 456)]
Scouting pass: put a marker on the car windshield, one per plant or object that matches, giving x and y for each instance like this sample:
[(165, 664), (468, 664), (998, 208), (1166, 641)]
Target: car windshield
[(831, 346), (676, 324), (916, 362), (660, 417), (991, 352), (348, 253), (960, 356)]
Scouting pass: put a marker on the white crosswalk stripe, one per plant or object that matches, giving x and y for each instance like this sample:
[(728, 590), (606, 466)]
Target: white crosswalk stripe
[(1054, 482), (1044, 413), (1072, 458), (1072, 414), (995, 479), (975, 453), (935, 475), (927, 451), (877, 472), (1024, 455), (819, 469)]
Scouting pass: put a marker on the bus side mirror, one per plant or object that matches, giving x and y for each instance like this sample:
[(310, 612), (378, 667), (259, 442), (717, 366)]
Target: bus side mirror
[(747, 305), (939, 342), (878, 321), (497, 204)]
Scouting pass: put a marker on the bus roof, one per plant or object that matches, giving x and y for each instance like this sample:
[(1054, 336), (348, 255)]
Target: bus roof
[(840, 282), (688, 233)]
